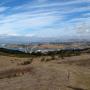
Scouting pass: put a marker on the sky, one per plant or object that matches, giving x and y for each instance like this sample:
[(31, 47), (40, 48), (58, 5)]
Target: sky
[(45, 18)]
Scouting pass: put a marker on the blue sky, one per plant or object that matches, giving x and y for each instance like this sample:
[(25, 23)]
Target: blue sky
[(45, 18)]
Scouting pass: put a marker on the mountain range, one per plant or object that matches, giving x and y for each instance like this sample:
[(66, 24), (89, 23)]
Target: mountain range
[(33, 39)]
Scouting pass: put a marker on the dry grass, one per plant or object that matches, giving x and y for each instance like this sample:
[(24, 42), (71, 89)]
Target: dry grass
[(10, 73), (42, 75), (29, 61)]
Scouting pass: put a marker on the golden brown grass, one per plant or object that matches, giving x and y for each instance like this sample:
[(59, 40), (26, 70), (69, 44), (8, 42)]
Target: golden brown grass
[(14, 72)]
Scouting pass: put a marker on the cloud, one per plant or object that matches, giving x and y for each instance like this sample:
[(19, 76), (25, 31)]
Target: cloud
[(86, 15), (33, 18), (59, 8), (42, 1), (2, 9), (22, 21), (83, 28)]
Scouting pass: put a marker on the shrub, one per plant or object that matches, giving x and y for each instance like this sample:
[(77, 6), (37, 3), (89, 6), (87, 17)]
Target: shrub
[(27, 62), (42, 59), (52, 57), (48, 60), (10, 73)]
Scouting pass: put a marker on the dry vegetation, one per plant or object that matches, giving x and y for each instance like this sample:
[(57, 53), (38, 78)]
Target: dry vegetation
[(14, 72), (54, 72)]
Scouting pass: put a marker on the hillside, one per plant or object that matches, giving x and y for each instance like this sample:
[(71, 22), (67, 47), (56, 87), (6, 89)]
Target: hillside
[(70, 73)]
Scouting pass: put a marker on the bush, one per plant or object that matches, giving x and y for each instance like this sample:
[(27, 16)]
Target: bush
[(10, 73), (53, 58), (42, 59), (27, 62), (48, 60)]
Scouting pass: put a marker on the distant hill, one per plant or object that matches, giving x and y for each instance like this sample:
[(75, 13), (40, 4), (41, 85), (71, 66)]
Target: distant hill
[(33, 39)]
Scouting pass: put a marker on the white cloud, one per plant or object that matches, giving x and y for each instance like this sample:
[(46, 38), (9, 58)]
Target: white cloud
[(75, 9), (41, 1), (59, 8), (36, 5), (37, 16), (83, 28), (2, 9), (30, 35), (15, 23), (86, 14)]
